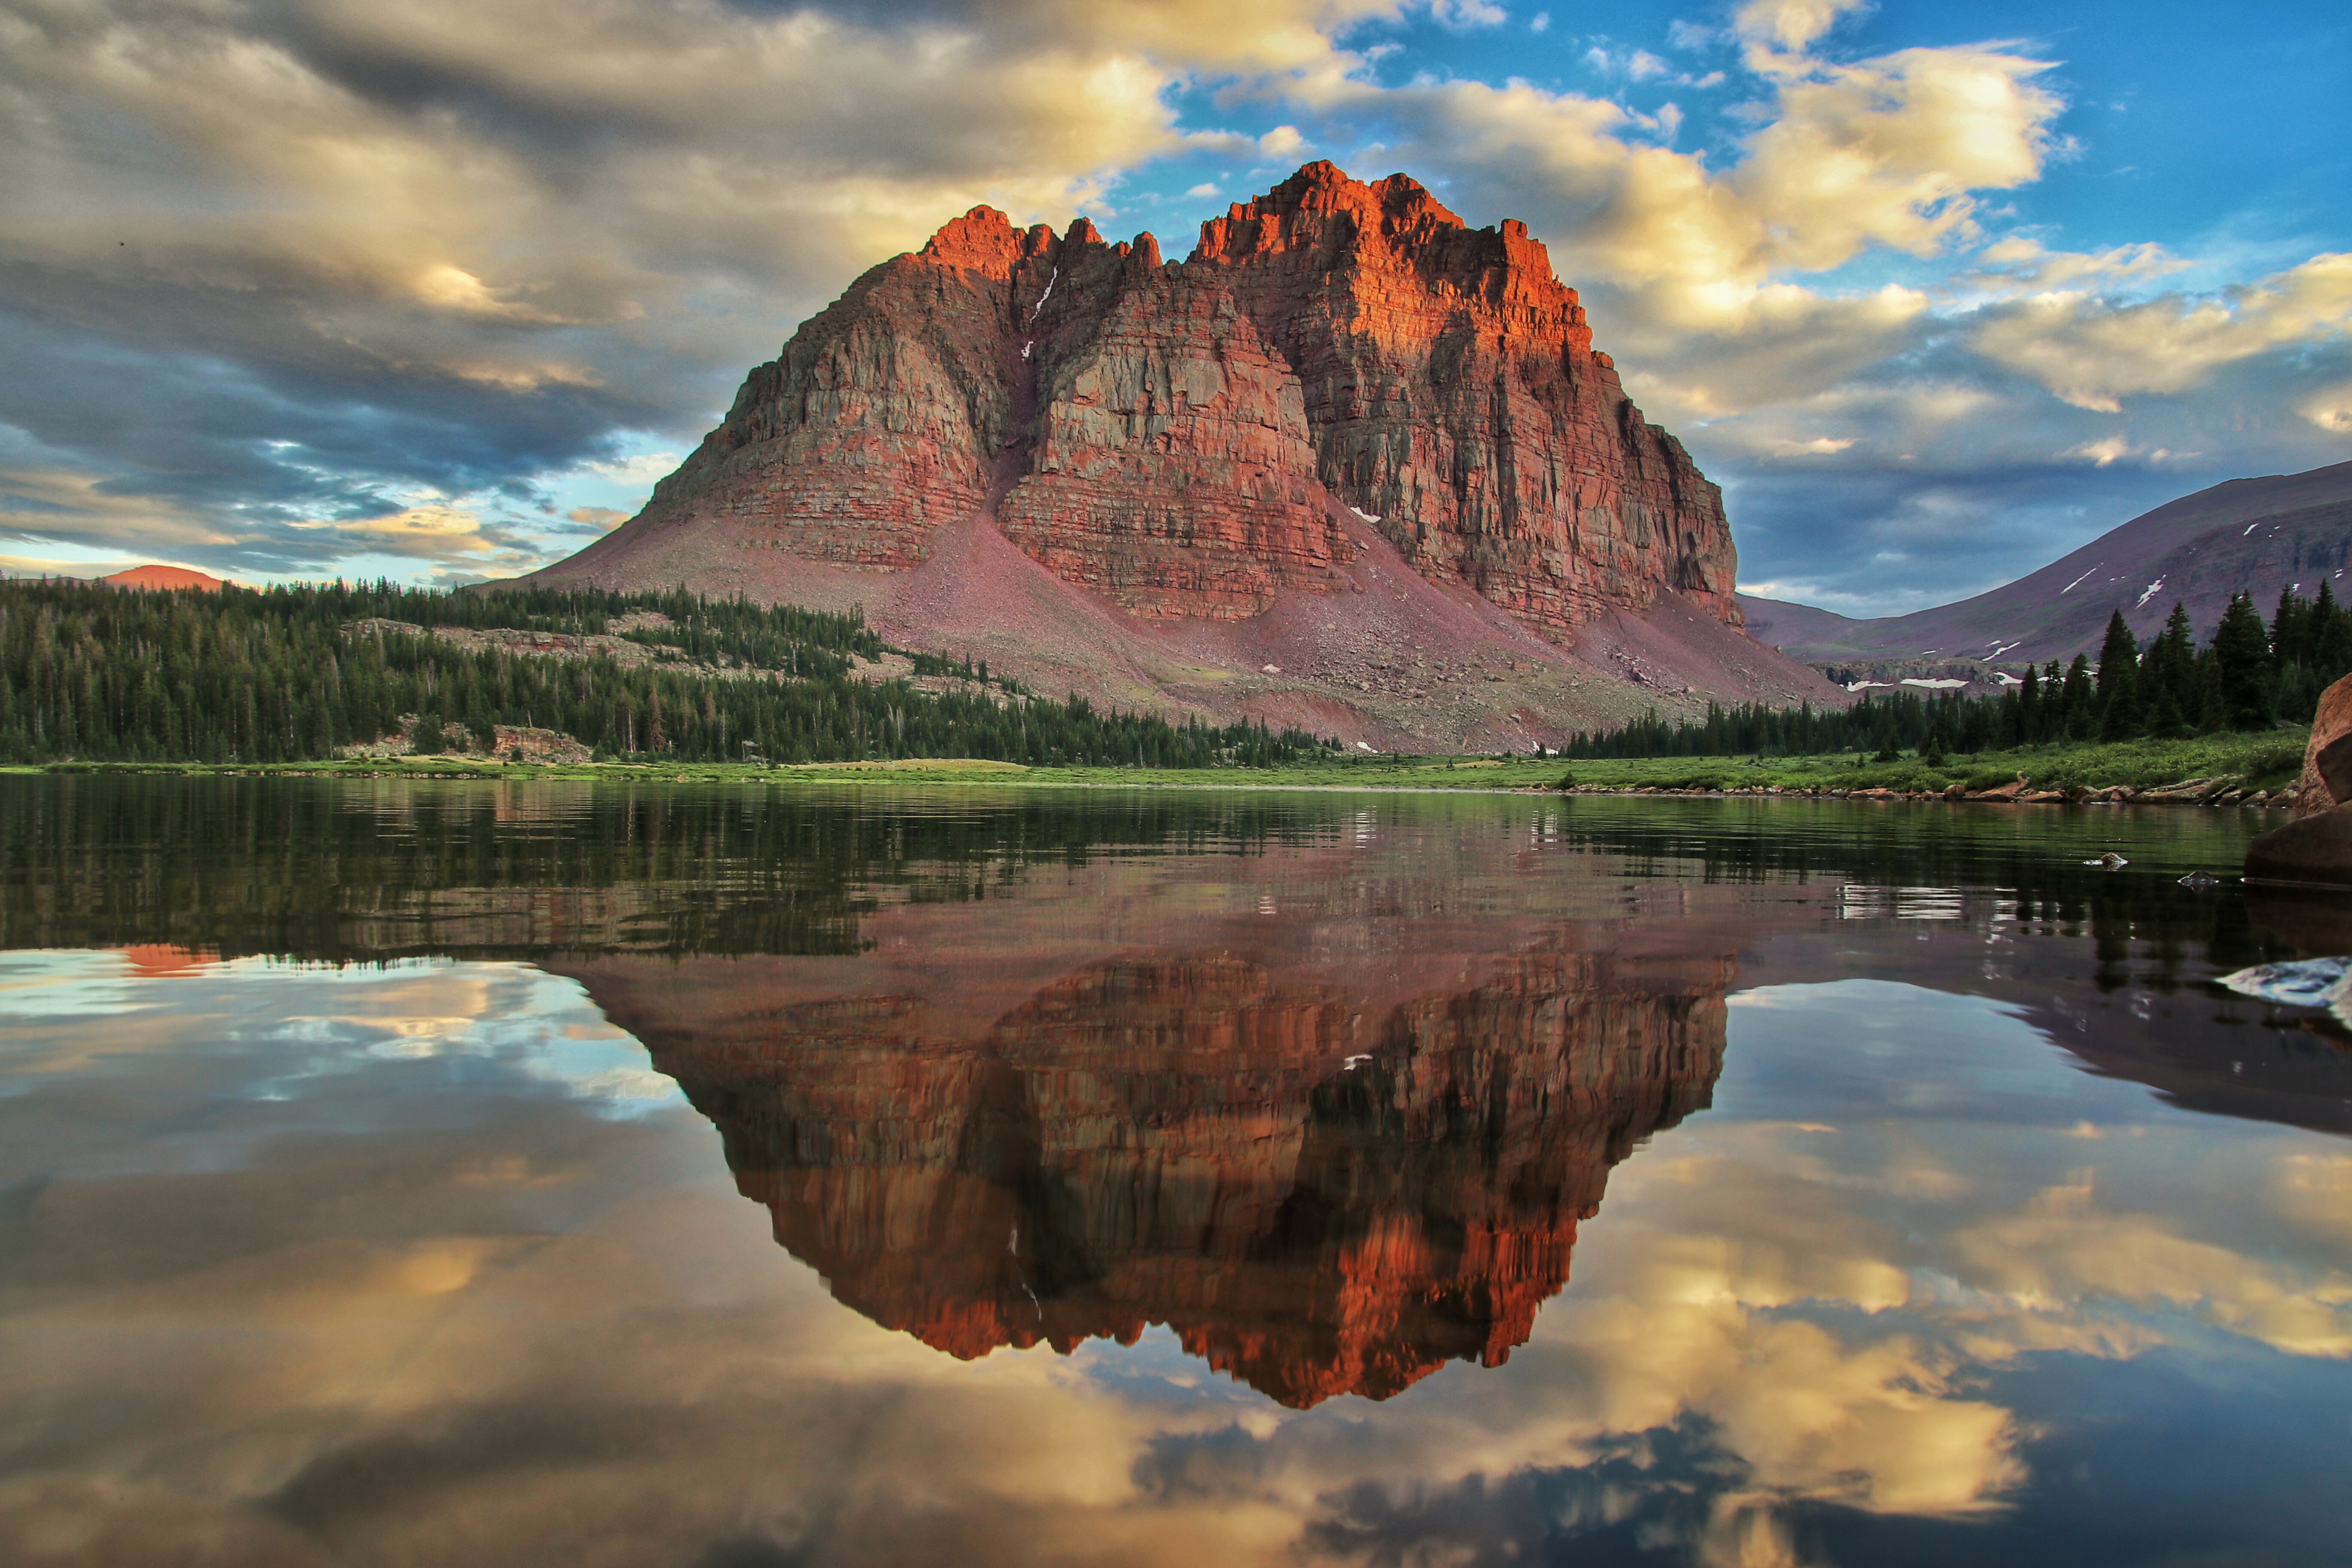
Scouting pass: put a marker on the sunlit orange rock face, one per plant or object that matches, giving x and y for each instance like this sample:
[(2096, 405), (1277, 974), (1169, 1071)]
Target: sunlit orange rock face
[(163, 577), (1185, 438), (1321, 1188)]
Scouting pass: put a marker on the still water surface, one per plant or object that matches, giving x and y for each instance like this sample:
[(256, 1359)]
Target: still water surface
[(736, 1176)]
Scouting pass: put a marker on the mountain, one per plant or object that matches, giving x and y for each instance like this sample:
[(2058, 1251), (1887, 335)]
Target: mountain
[(163, 577), (148, 576), (1352, 465), (2263, 534)]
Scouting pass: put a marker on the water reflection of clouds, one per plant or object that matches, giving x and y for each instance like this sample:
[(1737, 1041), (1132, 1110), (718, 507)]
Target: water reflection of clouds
[(75, 1010), (554, 1335)]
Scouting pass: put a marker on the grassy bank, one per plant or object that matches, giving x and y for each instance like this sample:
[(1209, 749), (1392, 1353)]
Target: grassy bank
[(2265, 760)]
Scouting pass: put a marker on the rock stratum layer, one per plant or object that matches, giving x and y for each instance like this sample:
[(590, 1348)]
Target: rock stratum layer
[(1343, 386)]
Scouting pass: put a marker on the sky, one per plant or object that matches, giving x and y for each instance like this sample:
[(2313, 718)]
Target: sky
[(437, 288)]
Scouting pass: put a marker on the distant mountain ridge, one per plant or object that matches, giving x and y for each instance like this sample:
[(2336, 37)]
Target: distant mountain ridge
[(150, 576), (2261, 534)]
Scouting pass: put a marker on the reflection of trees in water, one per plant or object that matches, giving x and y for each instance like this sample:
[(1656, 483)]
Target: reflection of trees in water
[(358, 869), (1318, 1201), (2145, 927)]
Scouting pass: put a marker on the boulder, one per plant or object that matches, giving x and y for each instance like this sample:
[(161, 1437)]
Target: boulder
[(2311, 849), (2326, 781)]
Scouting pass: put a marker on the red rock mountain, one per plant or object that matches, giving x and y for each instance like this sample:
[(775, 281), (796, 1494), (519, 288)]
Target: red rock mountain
[(1347, 428), (163, 577)]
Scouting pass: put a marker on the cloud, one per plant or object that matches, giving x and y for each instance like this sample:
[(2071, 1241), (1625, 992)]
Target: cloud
[(2093, 352), (2329, 407), (1790, 25), (444, 537), (2020, 263), (1282, 141), (603, 519), (1464, 13)]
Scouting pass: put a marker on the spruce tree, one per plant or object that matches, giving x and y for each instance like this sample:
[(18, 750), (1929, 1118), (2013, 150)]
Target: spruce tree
[(2120, 718), (2172, 663), (2241, 667), (2331, 638), (2290, 630)]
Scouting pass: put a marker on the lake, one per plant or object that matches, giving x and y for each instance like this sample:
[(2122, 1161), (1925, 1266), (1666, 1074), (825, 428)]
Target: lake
[(735, 1176)]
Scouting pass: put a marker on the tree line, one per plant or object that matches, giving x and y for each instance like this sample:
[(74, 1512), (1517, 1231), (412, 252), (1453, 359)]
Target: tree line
[(2248, 677), (270, 675)]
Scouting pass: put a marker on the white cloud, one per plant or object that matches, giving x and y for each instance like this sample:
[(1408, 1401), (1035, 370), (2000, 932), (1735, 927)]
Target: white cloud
[(2093, 352), (1466, 14), (1282, 141), (1790, 25), (2102, 452), (2330, 407), (638, 468), (2020, 263), (440, 536)]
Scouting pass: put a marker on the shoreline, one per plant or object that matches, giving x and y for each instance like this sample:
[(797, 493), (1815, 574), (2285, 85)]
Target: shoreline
[(1547, 776)]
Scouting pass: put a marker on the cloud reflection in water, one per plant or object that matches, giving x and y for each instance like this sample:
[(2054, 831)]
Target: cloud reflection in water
[(306, 1264)]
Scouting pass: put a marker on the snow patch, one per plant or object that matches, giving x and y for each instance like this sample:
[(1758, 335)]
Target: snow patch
[(1050, 281), (1945, 685), (1361, 747), (2006, 679), (2077, 582), (2150, 593), (1866, 685), (1359, 511)]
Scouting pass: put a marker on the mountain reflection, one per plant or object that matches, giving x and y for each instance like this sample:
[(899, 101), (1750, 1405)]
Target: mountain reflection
[(1321, 1186)]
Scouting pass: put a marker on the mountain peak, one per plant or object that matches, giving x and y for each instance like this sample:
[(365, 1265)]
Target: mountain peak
[(1342, 379)]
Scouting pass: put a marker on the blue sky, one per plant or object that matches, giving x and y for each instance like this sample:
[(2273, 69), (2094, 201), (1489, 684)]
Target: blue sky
[(439, 288)]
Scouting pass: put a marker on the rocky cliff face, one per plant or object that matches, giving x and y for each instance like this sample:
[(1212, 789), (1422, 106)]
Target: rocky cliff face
[(1188, 1139), (1455, 396), (1188, 439)]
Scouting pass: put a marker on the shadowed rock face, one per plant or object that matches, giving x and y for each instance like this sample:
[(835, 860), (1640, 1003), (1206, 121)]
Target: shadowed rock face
[(1186, 439), (1315, 1200)]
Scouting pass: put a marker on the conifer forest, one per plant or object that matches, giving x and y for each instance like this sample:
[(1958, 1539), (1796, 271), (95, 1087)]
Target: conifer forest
[(2247, 677), (95, 673)]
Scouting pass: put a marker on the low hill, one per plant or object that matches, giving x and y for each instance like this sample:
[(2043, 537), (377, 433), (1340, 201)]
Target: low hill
[(2263, 534), (163, 577)]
